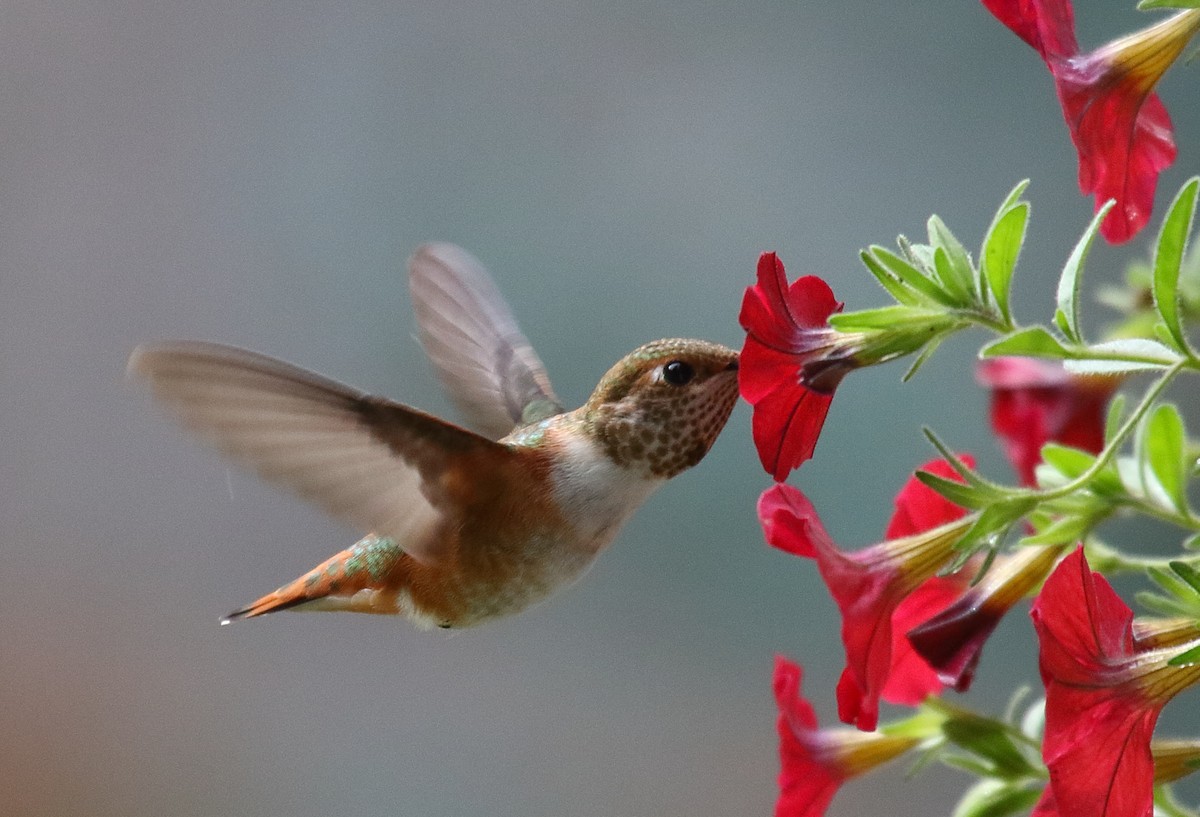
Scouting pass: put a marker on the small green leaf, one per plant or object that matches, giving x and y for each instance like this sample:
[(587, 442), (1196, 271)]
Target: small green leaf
[(968, 764), (926, 354), (968, 476), (1013, 197), (902, 293), (1115, 417), (1120, 356), (1168, 258), (1035, 341), (1185, 658), (997, 518), (911, 276), (1001, 248), (1144, 5), (954, 268), (1163, 448), (1063, 530), (994, 798), (953, 490), (989, 740), (1188, 573), (885, 317), (1170, 581), (1160, 605), (1066, 317), (1070, 462)]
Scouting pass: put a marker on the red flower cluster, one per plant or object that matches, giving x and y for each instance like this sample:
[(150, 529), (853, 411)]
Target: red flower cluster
[(1038, 401), (1106, 682), (907, 631), (786, 328), (881, 591), (1120, 128)]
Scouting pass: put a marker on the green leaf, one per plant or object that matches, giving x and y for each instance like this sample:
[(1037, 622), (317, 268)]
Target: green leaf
[(1144, 5), (970, 765), (968, 476), (1066, 317), (996, 518), (926, 354), (1163, 446), (1171, 582), (902, 293), (1188, 573), (953, 490), (1115, 416), (1070, 462), (895, 316), (1161, 605), (994, 798), (954, 269), (1120, 356), (1168, 258), (1186, 657), (1001, 248), (1012, 198), (911, 276), (1034, 341), (989, 740), (1061, 531)]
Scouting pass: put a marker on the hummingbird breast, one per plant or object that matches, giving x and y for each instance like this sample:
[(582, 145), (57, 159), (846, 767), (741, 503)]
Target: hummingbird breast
[(521, 541)]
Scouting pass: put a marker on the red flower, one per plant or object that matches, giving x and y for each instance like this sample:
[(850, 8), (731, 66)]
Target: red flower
[(871, 587), (785, 328), (1036, 401), (1121, 129), (815, 762), (1104, 691)]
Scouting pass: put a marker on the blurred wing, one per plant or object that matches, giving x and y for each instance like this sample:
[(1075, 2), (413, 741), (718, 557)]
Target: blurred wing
[(370, 462), (483, 360)]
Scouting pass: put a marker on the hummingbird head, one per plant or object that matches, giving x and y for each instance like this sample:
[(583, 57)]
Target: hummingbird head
[(659, 409)]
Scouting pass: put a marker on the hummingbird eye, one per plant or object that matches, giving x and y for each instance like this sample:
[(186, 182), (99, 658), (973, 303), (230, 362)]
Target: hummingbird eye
[(678, 373)]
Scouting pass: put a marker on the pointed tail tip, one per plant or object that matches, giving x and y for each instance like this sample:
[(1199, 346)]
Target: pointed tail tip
[(236, 615)]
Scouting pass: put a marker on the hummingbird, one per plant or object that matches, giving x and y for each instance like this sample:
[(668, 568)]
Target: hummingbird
[(462, 526)]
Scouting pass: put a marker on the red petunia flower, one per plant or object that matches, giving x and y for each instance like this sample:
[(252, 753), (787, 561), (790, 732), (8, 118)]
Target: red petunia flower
[(786, 326), (1038, 401), (1120, 128), (815, 762), (870, 587), (1104, 691)]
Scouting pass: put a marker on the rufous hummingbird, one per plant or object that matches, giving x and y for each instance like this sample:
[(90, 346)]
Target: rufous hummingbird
[(464, 526)]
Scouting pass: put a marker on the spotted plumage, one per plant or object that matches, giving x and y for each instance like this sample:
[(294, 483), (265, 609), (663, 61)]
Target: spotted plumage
[(462, 526)]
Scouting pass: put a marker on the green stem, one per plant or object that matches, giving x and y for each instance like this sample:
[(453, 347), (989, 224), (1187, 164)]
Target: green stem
[(1113, 445), (1141, 506), (1106, 558)]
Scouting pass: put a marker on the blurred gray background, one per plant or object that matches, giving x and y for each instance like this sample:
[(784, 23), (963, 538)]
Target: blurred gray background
[(257, 172)]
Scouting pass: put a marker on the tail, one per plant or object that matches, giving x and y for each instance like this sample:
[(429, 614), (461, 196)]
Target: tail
[(365, 578)]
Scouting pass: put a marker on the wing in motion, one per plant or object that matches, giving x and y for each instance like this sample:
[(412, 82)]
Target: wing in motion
[(373, 463), (468, 331)]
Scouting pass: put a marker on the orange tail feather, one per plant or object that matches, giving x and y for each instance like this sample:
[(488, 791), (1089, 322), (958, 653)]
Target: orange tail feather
[(372, 564)]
